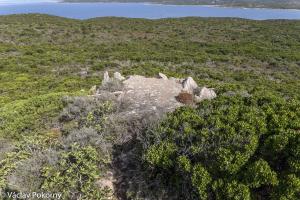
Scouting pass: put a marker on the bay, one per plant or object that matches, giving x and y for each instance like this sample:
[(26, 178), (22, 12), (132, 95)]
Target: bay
[(140, 10)]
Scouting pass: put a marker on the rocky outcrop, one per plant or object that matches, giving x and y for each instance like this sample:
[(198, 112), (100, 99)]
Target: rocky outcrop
[(177, 80), (118, 76), (150, 95), (200, 94), (161, 94), (189, 85), (141, 100), (162, 76), (106, 78), (205, 94)]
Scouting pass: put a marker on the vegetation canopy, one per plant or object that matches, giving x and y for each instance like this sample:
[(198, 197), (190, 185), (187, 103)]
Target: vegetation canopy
[(242, 145), (232, 148)]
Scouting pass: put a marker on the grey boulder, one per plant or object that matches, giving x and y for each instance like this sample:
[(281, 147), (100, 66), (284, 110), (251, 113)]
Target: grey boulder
[(189, 85), (205, 94), (118, 76), (162, 76)]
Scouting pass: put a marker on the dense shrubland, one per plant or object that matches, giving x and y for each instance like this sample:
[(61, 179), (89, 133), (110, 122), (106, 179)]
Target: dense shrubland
[(232, 148), (243, 145), (75, 175), (69, 159)]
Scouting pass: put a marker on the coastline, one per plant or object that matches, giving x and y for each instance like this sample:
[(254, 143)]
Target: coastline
[(192, 4), (153, 11)]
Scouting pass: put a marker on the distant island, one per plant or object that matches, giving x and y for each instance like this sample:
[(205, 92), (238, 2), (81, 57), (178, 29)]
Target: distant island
[(284, 4)]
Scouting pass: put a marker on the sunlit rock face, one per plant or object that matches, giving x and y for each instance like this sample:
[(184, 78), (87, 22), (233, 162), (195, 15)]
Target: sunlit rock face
[(151, 96)]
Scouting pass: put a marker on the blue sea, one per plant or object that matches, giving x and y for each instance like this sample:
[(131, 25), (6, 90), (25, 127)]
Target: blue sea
[(138, 10)]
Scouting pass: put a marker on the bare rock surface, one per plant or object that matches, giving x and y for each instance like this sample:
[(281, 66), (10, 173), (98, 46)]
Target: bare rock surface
[(189, 85), (141, 96), (162, 76), (205, 94), (118, 76), (150, 95)]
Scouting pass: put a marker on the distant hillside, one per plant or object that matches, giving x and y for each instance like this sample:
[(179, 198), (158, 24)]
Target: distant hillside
[(294, 4)]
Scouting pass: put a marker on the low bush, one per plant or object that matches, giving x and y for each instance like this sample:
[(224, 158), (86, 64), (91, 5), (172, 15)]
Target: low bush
[(26, 116), (68, 157), (235, 147), (43, 58), (75, 175), (20, 168)]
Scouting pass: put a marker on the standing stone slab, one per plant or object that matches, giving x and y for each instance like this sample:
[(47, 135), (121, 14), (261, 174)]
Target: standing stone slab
[(189, 85), (105, 78)]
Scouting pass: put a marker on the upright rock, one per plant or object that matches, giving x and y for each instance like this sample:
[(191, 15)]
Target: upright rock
[(118, 76), (162, 76), (205, 93), (189, 85), (105, 78)]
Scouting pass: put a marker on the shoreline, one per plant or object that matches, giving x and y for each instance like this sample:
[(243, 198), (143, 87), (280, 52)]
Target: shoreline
[(193, 4)]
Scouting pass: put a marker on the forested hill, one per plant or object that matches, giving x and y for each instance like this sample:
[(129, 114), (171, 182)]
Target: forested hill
[(291, 4)]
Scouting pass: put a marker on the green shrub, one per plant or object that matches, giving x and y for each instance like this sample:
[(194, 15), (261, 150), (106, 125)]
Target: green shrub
[(200, 179), (161, 154), (259, 173), (24, 116), (184, 163), (75, 175), (231, 190), (289, 188), (41, 58), (36, 148), (9, 163), (230, 148)]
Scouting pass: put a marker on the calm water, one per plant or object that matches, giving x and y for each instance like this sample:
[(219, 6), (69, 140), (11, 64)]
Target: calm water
[(139, 10)]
